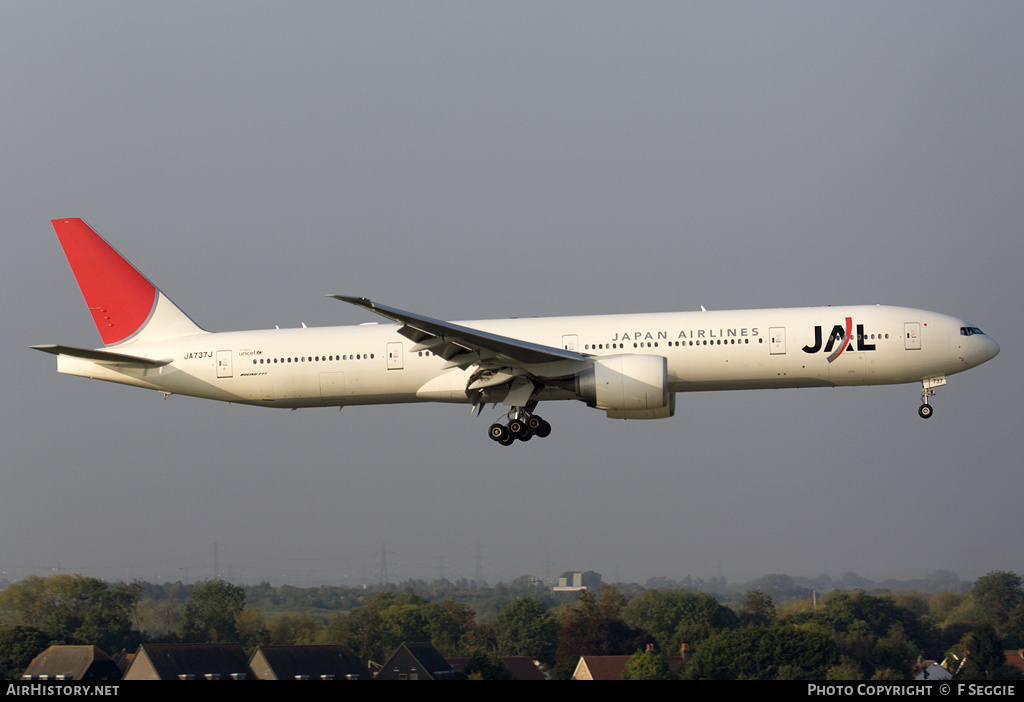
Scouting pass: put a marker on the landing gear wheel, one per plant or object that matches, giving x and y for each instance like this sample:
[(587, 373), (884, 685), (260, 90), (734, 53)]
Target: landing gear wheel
[(499, 433), (925, 411), (518, 429), (538, 426)]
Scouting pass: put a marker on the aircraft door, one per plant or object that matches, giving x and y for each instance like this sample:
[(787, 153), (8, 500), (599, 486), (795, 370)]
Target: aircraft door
[(332, 385), (777, 340), (395, 361), (912, 335), (224, 364), (570, 342)]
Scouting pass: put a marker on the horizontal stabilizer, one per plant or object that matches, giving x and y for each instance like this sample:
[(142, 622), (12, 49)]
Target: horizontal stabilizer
[(104, 357)]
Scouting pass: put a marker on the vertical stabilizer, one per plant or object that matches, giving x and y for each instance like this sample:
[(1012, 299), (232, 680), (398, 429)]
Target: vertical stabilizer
[(125, 306)]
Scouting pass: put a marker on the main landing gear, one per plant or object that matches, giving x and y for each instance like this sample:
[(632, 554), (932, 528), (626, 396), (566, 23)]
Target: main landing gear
[(521, 425)]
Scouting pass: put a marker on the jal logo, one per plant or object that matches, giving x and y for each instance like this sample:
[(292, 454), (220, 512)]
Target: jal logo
[(841, 339)]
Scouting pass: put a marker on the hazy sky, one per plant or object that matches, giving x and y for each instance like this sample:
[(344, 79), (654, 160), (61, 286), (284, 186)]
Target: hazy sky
[(492, 159)]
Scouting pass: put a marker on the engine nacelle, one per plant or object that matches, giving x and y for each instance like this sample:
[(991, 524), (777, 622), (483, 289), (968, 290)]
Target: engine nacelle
[(629, 386)]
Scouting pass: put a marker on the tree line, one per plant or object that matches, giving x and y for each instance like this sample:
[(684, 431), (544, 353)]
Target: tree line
[(842, 635)]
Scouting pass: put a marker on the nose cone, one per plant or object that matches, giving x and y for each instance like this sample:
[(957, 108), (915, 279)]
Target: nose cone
[(991, 348)]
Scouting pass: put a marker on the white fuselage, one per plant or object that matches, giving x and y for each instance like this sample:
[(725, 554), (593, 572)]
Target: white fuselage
[(727, 350)]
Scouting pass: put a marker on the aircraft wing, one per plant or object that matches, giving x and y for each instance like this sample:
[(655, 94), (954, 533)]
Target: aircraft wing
[(100, 356), (462, 346)]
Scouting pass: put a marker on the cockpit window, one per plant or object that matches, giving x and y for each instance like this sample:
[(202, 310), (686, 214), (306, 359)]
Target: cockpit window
[(970, 331)]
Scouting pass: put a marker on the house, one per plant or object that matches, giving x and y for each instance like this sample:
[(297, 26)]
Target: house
[(416, 661), (931, 670), (72, 663), (521, 667), (612, 667), (600, 667), (1015, 659), (307, 663), (189, 662)]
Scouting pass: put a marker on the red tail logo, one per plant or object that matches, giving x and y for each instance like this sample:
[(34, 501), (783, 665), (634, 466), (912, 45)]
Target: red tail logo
[(119, 297)]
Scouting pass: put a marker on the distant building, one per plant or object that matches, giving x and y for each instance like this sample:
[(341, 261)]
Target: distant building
[(416, 661), (72, 663), (307, 663), (189, 662), (570, 583)]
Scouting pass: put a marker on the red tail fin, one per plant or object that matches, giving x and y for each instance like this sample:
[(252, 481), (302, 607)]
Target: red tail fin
[(122, 301)]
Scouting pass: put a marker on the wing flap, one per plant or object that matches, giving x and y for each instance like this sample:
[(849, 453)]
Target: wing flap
[(449, 340)]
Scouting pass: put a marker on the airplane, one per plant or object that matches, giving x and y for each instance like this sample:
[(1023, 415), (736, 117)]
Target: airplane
[(631, 366)]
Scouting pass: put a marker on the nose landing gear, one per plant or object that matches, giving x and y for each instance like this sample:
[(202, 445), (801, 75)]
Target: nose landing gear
[(927, 390)]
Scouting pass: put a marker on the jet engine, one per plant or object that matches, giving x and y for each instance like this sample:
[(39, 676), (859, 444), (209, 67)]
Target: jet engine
[(628, 386)]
